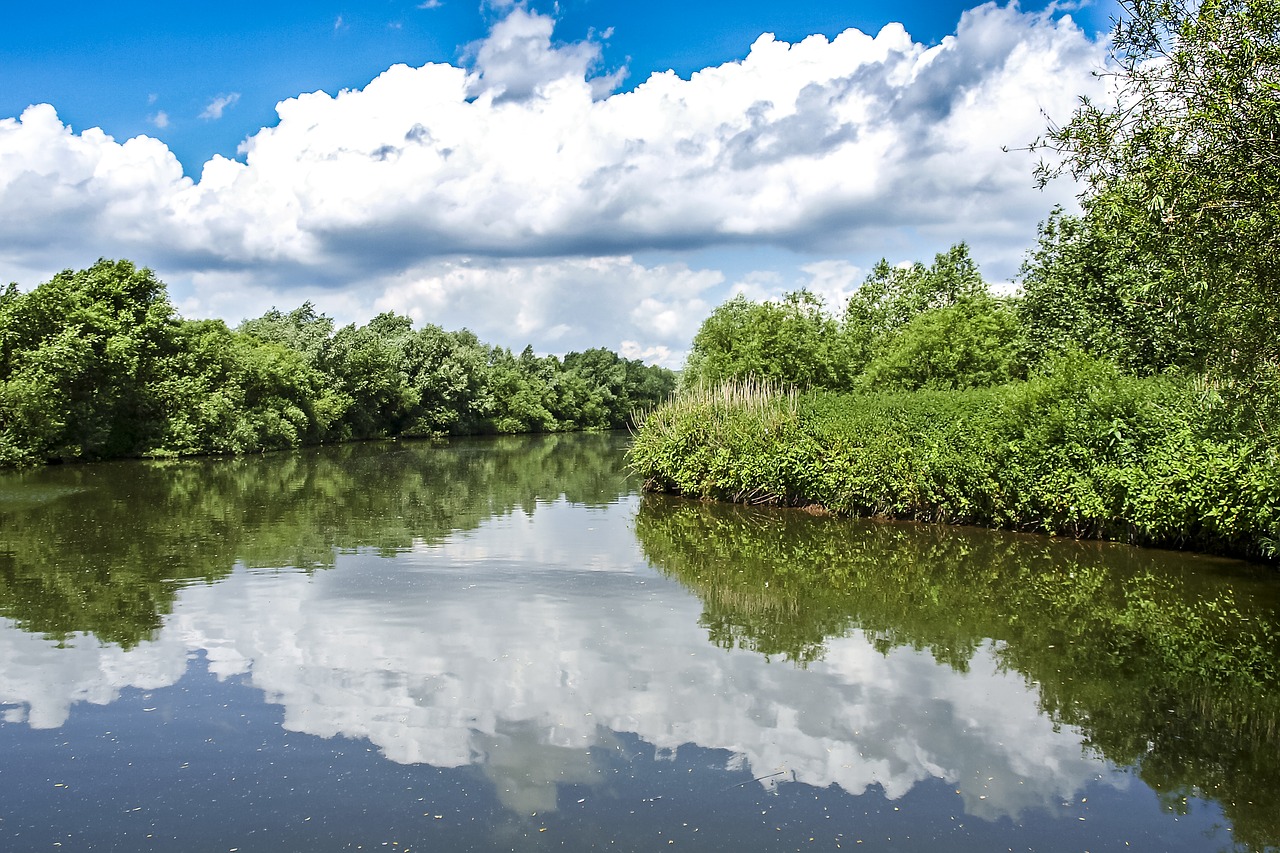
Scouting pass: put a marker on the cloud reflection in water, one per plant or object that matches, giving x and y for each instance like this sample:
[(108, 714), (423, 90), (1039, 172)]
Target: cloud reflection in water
[(529, 643)]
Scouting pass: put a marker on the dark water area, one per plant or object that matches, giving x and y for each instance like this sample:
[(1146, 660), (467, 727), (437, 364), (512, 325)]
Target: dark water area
[(499, 644)]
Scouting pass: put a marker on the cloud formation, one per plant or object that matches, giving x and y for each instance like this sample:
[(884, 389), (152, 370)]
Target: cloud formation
[(518, 58), (219, 105), (834, 150)]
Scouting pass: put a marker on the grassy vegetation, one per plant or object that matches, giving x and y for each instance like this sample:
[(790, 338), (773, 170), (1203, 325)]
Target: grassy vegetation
[(1078, 450)]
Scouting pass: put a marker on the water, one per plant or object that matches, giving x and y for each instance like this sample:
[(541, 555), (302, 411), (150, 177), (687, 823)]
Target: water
[(500, 645)]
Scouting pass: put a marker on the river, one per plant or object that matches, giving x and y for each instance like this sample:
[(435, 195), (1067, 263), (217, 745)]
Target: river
[(500, 644)]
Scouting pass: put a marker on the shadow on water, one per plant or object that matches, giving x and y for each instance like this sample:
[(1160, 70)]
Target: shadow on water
[(1166, 662), (104, 548)]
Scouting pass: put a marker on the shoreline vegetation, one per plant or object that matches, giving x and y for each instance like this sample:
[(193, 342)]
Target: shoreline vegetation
[(1078, 450), (96, 364)]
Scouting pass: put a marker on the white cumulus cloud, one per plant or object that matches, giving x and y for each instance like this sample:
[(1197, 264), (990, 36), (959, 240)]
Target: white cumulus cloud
[(518, 58), (514, 192)]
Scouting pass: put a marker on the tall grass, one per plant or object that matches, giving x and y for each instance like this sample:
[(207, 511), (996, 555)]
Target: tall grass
[(760, 398), (703, 441)]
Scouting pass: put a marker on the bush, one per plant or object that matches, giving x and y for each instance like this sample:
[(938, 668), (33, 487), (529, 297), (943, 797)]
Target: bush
[(970, 344)]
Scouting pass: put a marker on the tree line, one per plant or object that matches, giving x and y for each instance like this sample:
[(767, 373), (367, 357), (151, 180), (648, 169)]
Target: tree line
[(906, 327), (97, 364), (940, 326)]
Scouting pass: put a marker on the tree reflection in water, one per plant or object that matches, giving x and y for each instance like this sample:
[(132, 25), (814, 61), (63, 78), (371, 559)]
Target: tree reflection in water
[(1165, 661)]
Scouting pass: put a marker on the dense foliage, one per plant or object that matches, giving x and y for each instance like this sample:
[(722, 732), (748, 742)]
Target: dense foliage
[(1079, 450), (80, 363), (792, 341), (905, 328), (1088, 286), (96, 364), (1173, 262), (1147, 323), (1183, 179)]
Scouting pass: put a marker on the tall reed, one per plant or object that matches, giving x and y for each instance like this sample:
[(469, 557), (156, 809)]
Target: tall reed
[(703, 439)]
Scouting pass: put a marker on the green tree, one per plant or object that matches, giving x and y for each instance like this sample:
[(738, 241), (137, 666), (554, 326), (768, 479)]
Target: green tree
[(648, 384), (891, 296), (603, 375), (521, 393), (365, 364), (309, 334), (80, 356), (229, 392), (615, 387), (1185, 163), (973, 343), (1087, 286), (794, 341), (302, 329), (445, 371)]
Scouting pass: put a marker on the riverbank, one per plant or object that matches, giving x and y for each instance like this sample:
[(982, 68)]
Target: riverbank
[(1078, 450)]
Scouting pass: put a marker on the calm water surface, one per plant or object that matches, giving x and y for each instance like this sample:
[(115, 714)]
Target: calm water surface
[(500, 645)]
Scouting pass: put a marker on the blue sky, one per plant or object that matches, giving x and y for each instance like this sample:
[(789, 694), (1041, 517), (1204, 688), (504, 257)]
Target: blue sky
[(203, 78), (118, 66)]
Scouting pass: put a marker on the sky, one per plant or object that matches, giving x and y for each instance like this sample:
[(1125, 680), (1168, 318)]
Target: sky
[(566, 175)]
